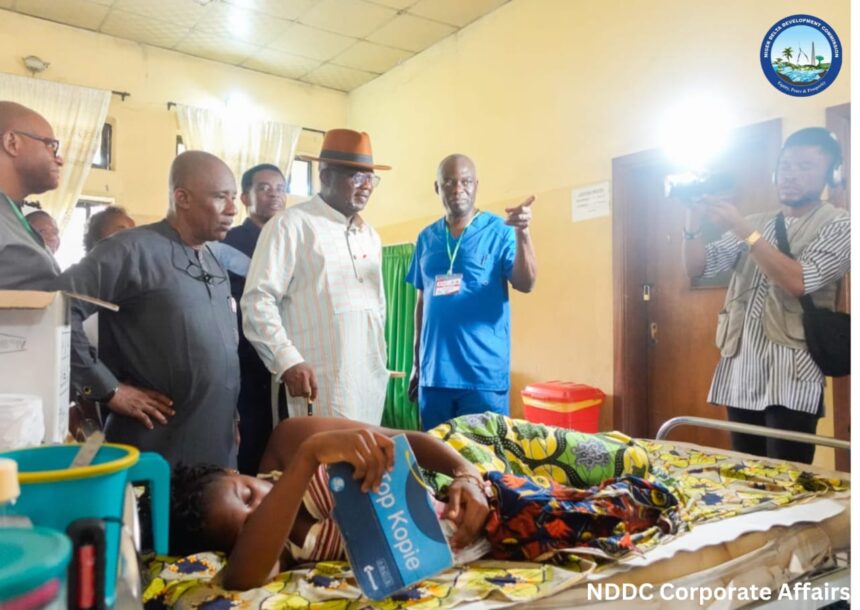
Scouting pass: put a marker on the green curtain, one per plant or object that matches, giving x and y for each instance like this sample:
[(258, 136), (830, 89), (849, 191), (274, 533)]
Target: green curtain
[(399, 332)]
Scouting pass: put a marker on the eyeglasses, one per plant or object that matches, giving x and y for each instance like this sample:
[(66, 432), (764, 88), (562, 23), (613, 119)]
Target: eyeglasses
[(268, 189), (51, 143), (450, 183), (359, 178), (195, 269)]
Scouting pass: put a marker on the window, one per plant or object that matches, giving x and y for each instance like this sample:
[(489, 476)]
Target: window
[(102, 158), (72, 240), (300, 182), (180, 146)]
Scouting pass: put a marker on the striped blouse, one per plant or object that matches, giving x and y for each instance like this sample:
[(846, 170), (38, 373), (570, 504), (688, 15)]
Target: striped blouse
[(764, 373), (323, 541)]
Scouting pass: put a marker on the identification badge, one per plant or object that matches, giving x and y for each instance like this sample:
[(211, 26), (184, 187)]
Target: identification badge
[(450, 283)]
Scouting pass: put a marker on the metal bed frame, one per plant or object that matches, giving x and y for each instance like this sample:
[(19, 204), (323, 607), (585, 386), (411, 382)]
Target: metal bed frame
[(719, 424), (834, 572)]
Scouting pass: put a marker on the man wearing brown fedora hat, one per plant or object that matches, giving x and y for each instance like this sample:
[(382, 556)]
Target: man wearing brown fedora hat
[(314, 306)]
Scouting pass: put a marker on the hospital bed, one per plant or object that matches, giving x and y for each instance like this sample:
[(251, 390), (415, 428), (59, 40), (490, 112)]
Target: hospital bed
[(805, 542), (807, 561)]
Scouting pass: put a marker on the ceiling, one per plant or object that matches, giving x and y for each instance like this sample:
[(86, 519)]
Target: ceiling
[(340, 44)]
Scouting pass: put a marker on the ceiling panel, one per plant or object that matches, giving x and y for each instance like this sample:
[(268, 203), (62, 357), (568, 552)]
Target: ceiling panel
[(281, 64), (284, 9), (142, 29), (216, 47), (348, 17), (234, 22), (340, 44), (310, 42), (411, 33), (395, 4), (371, 57), (77, 13), (338, 77), (179, 13), (455, 12)]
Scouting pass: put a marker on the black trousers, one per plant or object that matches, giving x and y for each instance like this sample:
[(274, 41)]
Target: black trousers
[(776, 416)]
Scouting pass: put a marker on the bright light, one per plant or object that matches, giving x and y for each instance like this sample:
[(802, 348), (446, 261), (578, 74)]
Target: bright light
[(238, 111), (695, 130), (240, 25), (239, 104)]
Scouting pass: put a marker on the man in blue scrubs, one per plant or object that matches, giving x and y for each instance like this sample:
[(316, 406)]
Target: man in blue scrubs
[(461, 267)]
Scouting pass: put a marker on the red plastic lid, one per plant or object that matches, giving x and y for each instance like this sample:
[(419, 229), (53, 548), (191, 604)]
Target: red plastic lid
[(562, 391)]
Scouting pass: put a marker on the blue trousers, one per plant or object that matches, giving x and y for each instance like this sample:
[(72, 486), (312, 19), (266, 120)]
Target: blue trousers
[(438, 405)]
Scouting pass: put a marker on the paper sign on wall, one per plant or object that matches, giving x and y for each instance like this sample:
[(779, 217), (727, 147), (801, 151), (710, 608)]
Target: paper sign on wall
[(590, 202)]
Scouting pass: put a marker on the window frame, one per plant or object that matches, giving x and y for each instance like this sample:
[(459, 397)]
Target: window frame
[(105, 148), (310, 181)]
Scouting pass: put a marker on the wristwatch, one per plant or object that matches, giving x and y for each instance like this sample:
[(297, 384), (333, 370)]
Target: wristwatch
[(752, 238), (107, 397)]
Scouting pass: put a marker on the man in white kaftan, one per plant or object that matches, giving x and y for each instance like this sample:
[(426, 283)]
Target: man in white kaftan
[(314, 306)]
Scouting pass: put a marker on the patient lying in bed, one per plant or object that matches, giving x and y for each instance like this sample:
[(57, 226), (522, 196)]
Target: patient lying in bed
[(581, 491)]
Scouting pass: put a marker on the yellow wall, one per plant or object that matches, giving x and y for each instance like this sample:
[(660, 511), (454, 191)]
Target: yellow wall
[(145, 131), (543, 94)]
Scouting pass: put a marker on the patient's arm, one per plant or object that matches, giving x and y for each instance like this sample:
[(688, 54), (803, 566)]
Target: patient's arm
[(467, 505), (266, 530)]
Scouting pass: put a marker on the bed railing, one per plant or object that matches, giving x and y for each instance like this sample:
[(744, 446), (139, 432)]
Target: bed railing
[(718, 424)]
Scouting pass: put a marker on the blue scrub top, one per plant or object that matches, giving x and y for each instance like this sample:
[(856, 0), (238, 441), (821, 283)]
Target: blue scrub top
[(466, 337)]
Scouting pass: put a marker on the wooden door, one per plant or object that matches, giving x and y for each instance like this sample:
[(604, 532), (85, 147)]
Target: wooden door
[(664, 340), (839, 122)]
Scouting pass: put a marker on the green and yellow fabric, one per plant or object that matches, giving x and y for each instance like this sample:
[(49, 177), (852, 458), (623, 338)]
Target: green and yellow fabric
[(575, 459)]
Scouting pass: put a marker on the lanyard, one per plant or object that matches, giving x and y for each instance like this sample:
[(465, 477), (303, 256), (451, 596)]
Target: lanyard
[(21, 218), (452, 256)]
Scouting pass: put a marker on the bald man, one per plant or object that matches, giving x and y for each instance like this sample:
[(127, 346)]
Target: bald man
[(29, 164), (462, 266), (167, 366)]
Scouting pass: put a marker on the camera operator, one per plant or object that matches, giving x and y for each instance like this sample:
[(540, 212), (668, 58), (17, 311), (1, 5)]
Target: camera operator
[(766, 375)]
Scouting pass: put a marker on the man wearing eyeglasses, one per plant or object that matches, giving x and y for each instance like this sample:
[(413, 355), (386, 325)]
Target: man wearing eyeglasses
[(314, 306), (263, 195), (29, 164), (462, 266), (167, 365)]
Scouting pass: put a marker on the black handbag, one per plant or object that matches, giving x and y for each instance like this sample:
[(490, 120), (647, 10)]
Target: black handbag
[(828, 333)]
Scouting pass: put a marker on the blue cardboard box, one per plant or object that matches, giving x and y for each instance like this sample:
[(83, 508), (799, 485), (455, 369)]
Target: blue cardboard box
[(393, 537)]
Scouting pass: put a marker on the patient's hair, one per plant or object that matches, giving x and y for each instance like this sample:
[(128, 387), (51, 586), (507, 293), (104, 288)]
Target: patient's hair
[(188, 504)]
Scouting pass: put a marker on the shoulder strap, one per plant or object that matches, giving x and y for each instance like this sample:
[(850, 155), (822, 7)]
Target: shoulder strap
[(782, 242), (781, 235)]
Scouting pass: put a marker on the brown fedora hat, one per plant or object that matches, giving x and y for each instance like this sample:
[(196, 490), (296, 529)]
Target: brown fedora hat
[(346, 147)]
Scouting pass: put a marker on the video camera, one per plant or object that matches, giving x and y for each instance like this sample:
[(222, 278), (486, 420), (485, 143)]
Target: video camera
[(691, 186)]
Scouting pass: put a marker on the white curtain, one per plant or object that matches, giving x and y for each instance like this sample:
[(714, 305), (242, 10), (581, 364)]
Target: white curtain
[(241, 142), (77, 115)]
